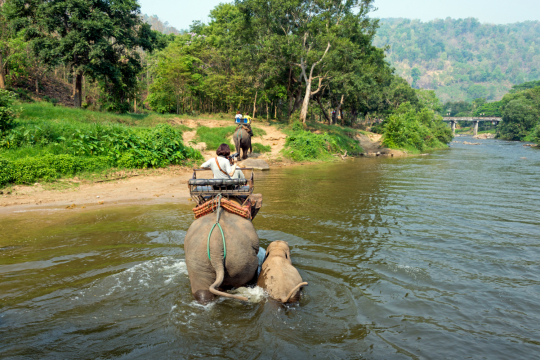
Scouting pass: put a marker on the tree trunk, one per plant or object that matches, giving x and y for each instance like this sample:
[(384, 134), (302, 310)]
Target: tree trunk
[(135, 105), (322, 110), (291, 104), (275, 110), (255, 104), (2, 73), (267, 112), (338, 109), (37, 85), (77, 96), (305, 104)]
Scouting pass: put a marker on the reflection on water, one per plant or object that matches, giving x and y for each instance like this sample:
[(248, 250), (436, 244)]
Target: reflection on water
[(429, 257)]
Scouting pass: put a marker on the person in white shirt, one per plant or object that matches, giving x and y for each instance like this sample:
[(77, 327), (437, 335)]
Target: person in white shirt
[(238, 118), (221, 166)]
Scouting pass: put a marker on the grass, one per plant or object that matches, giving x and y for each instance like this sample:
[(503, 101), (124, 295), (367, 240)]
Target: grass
[(52, 142), (343, 136), (213, 137), (46, 111), (260, 148), (257, 132)]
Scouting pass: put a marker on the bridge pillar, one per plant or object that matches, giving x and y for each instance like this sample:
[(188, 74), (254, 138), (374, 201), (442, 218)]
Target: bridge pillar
[(475, 127), (453, 125)]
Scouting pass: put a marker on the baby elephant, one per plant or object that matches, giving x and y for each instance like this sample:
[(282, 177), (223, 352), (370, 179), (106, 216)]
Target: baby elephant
[(278, 276)]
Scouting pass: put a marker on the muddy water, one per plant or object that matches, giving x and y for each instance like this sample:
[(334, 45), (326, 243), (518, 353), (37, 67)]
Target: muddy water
[(428, 257)]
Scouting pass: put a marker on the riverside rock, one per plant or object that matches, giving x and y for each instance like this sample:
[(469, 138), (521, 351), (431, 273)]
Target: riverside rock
[(484, 136), (256, 164)]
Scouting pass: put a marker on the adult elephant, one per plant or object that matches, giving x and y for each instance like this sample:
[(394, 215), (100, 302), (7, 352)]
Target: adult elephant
[(206, 265), (242, 140)]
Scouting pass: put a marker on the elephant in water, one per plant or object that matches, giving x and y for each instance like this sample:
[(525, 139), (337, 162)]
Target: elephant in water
[(242, 140), (240, 264)]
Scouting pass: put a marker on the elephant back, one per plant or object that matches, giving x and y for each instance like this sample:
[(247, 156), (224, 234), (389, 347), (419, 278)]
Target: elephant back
[(241, 244)]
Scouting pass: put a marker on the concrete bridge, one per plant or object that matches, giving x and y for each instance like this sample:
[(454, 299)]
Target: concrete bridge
[(475, 120)]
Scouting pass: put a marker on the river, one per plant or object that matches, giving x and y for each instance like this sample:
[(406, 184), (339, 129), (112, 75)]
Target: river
[(427, 257)]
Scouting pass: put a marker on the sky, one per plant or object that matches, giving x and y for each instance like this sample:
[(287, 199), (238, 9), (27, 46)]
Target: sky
[(181, 14)]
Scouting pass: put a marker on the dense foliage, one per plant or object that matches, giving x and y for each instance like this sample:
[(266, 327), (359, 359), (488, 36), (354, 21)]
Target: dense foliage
[(415, 130), (320, 143), (31, 146), (7, 110), (94, 38), (275, 59), (47, 168), (462, 59), (521, 114)]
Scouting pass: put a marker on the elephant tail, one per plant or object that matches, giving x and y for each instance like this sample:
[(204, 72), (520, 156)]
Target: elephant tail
[(217, 264), (219, 280), (293, 291)]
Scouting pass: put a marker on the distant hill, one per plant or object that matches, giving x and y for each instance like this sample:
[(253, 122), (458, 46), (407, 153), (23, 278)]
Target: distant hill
[(161, 26), (462, 59)]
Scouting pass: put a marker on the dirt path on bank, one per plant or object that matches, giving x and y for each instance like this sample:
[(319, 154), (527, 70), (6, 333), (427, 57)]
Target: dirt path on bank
[(153, 186), (273, 138)]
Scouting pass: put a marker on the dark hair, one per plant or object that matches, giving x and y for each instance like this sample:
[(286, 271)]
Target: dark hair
[(223, 150)]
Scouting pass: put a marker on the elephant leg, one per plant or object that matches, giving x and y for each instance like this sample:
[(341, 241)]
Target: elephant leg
[(201, 290), (203, 296)]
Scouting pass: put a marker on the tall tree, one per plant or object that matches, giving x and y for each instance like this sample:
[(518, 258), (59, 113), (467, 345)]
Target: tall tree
[(95, 38), (302, 36)]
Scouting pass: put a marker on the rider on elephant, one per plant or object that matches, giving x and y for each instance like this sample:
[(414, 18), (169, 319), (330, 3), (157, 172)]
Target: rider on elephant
[(247, 123), (222, 166)]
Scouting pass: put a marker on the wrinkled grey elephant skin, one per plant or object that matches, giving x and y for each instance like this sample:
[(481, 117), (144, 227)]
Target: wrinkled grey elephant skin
[(239, 266), (242, 140)]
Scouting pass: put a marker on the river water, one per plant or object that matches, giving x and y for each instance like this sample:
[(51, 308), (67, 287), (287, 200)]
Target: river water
[(418, 258)]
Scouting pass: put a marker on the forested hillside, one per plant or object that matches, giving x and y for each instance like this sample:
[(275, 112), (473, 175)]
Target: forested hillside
[(462, 59)]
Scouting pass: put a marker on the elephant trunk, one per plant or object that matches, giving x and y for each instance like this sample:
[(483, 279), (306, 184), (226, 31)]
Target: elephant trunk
[(217, 264), (293, 291)]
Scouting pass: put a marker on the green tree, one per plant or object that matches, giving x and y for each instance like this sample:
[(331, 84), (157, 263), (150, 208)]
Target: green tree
[(302, 36), (94, 38), (519, 118), (176, 76), (415, 74)]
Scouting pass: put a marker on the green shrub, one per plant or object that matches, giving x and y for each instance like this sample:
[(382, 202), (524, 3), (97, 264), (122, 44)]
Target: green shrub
[(213, 137), (307, 146), (344, 137), (260, 148), (7, 112), (46, 168), (415, 130)]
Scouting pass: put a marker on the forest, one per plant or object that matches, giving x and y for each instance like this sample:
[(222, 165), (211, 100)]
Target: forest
[(295, 62), (462, 59)]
